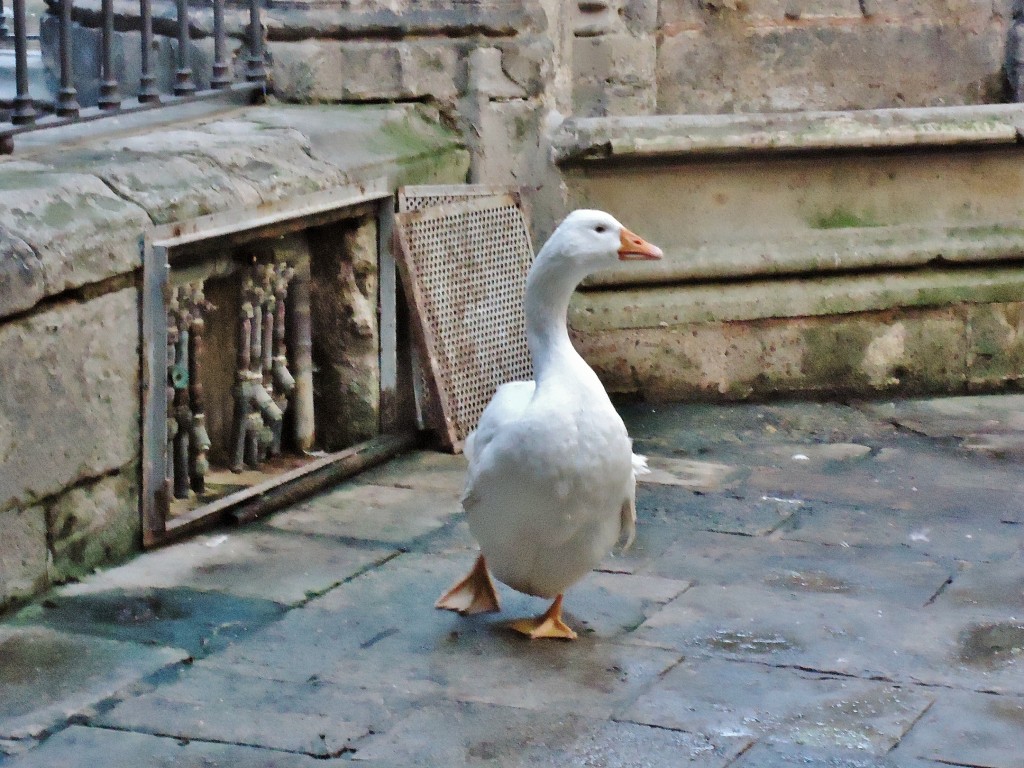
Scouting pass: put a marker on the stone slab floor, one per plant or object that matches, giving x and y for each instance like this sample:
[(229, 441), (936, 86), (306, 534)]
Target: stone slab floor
[(812, 585)]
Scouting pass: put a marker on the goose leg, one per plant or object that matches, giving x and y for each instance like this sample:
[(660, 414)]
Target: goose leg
[(548, 624), (473, 594)]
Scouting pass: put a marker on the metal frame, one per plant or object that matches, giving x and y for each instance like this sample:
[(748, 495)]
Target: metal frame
[(161, 247)]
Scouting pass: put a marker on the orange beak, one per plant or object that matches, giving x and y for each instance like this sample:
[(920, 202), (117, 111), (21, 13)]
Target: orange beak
[(635, 248)]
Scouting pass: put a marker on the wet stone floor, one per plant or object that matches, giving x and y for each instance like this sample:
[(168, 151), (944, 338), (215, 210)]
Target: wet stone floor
[(812, 585)]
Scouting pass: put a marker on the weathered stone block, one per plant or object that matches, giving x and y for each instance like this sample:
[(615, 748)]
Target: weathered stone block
[(919, 64), (307, 71), (528, 63), (510, 132), (21, 274), (679, 13), (69, 396), (80, 230), (641, 15), (616, 58), (776, 10), (487, 79), (23, 556), (602, 17), (614, 75), (95, 523), (164, 184), (259, 163), (866, 353), (595, 18), (959, 11), (346, 381), (996, 338), (366, 71)]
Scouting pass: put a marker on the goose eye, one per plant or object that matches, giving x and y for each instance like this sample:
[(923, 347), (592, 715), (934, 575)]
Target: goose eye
[(600, 228)]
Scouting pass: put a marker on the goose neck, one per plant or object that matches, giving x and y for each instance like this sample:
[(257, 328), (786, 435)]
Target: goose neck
[(546, 304)]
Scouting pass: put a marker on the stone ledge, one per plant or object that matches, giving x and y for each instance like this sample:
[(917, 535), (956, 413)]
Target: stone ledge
[(596, 139), (668, 306), (82, 209), (306, 20), (829, 251), (945, 349)]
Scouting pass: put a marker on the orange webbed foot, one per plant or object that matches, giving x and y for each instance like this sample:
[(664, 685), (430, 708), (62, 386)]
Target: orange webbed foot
[(473, 594)]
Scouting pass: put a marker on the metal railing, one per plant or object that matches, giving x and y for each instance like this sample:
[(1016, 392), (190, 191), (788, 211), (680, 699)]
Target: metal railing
[(26, 113)]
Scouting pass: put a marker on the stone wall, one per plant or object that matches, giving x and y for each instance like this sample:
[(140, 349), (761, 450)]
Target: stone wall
[(953, 349), (73, 217), (505, 74), (720, 56)]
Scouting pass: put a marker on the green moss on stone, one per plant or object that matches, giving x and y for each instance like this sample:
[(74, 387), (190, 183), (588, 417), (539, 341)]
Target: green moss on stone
[(834, 353), (841, 219), (59, 214)]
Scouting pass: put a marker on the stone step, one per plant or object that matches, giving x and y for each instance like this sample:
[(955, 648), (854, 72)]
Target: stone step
[(876, 251)]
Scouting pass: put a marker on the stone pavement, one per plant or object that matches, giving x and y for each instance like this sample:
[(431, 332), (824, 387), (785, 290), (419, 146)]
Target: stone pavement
[(814, 585)]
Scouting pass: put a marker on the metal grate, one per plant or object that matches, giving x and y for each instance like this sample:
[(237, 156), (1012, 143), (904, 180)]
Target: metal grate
[(463, 266), (421, 196)]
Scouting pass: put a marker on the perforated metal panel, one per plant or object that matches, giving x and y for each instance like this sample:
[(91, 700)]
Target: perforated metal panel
[(416, 198), (464, 266)]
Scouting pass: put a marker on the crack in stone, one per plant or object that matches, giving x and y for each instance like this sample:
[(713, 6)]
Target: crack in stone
[(185, 740), (939, 591), (80, 294), (123, 197), (314, 594), (82, 482)]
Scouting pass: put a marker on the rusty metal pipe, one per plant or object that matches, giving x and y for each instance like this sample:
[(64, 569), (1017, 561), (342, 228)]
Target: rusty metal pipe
[(256, 342), (183, 416), (284, 382), (172, 424), (199, 437), (254, 425), (242, 401), (300, 343)]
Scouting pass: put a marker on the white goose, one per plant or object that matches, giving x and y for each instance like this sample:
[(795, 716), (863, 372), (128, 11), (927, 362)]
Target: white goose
[(552, 474)]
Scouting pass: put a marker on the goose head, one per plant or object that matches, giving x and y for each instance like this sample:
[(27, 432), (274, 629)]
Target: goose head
[(588, 241)]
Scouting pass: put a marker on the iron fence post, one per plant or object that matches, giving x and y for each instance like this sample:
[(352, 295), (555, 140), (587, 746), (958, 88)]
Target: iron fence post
[(255, 71), (109, 97), (147, 82), (67, 96), (183, 84), (24, 112), (220, 77)]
